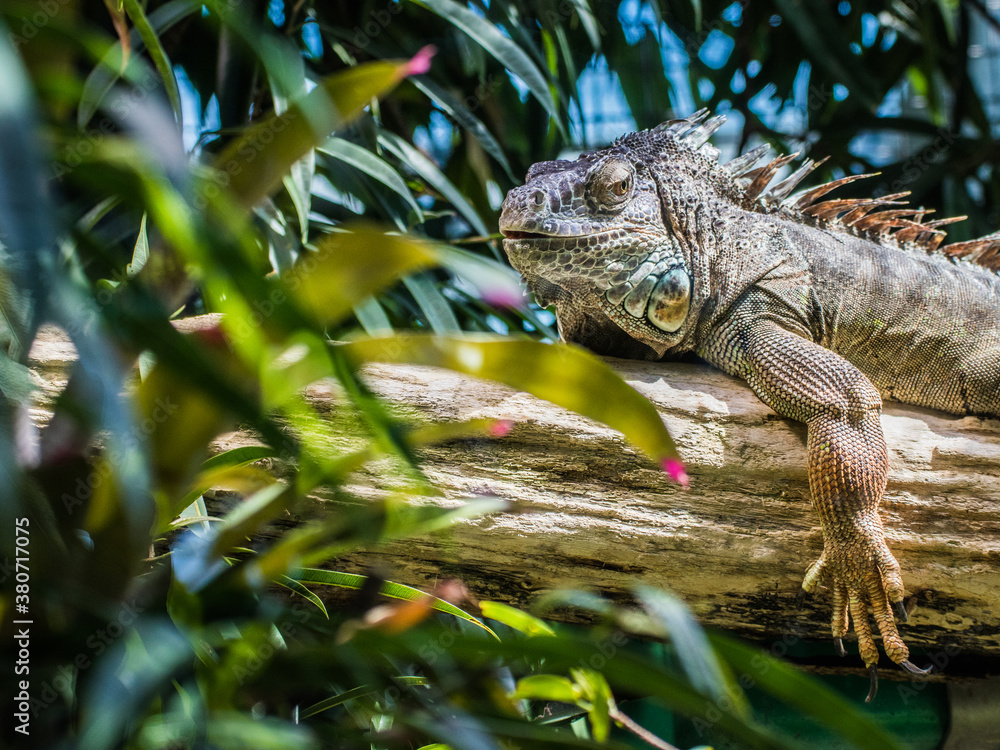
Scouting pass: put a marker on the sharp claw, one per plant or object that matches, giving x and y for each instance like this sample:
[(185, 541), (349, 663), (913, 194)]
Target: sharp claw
[(914, 669), (873, 688), (901, 614), (838, 646), (800, 598)]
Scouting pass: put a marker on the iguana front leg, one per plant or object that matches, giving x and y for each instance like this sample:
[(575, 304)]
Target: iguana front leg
[(848, 464)]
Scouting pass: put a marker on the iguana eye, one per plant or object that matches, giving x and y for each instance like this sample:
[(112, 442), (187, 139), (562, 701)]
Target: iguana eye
[(614, 183)]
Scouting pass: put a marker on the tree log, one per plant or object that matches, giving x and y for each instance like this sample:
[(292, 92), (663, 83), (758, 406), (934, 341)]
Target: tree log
[(588, 510)]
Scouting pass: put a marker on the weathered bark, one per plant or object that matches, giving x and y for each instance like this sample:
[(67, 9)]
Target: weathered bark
[(593, 512)]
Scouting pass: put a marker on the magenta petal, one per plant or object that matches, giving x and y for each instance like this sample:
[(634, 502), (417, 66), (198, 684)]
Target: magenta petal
[(501, 427), (675, 470), (503, 297), (421, 62)]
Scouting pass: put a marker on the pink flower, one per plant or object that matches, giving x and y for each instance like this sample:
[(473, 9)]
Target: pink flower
[(675, 470), (420, 62), (501, 427)]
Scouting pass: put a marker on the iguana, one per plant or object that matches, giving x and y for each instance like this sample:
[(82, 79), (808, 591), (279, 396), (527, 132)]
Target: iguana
[(651, 247)]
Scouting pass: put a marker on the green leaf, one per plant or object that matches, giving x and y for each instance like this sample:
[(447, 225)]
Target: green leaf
[(432, 303), (373, 166), (515, 618), (372, 317), (241, 730), (804, 694), (390, 589), (292, 585), (256, 510), (103, 77), (565, 375), (434, 177), (693, 650), (359, 692), (348, 267), (159, 56), (140, 254), (298, 183), (461, 111), (497, 283), (505, 50), (258, 160), (592, 686), (546, 687), (349, 530)]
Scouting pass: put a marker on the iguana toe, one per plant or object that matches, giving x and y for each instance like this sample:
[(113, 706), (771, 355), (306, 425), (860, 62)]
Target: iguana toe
[(863, 629)]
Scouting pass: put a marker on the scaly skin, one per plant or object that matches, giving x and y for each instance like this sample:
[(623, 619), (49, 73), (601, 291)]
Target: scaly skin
[(650, 248)]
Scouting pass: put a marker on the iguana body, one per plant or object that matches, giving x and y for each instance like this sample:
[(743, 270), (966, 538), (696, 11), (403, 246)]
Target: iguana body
[(652, 248)]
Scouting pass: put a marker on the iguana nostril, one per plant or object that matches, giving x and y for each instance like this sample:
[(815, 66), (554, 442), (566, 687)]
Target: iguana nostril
[(538, 198)]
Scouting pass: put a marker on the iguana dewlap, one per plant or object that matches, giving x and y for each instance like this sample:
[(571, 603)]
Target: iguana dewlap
[(651, 248)]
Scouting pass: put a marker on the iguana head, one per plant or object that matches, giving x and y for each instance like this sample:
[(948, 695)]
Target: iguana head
[(597, 238)]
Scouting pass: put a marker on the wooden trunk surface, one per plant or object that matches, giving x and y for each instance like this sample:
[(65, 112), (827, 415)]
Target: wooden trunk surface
[(590, 511)]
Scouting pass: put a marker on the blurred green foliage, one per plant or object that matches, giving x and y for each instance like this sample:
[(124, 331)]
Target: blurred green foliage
[(312, 171)]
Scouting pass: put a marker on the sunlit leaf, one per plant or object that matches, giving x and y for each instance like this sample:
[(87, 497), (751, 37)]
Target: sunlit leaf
[(389, 588), (565, 375), (140, 254), (257, 161), (359, 692), (591, 686), (347, 267), (293, 585), (515, 618), (546, 687)]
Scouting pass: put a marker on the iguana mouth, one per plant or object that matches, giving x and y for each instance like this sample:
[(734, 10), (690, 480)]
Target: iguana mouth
[(518, 235)]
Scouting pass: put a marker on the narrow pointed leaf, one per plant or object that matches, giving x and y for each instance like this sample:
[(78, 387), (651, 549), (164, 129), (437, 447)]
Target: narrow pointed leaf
[(565, 375), (348, 267), (461, 111), (432, 303), (103, 77), (515, 618), (504, 49), (258, 160), (389, 588), (434, 177), (292, 585), (140, 254), (151, 39), (693, 649), (373, 166), (546, 687)]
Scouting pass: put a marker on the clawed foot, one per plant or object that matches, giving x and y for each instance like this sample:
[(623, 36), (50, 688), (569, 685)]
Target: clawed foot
[(860, 575)]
